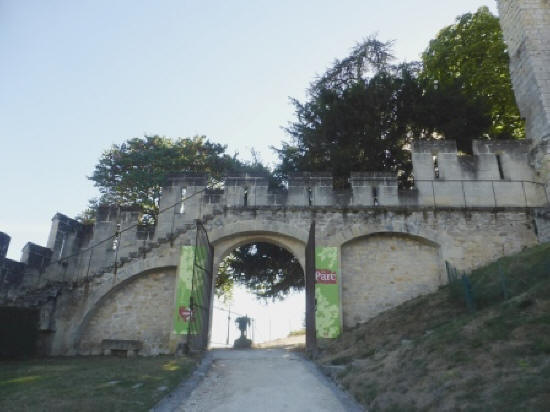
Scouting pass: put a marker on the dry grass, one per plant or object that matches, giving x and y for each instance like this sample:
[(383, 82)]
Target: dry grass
[(432, 354)]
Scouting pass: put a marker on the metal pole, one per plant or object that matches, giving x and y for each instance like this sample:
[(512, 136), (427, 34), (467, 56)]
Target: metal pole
[(228, 325), (172, 227), (116, 242)]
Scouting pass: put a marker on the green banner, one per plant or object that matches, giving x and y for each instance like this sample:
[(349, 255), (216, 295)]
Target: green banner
[(327, 292), (182, 315)]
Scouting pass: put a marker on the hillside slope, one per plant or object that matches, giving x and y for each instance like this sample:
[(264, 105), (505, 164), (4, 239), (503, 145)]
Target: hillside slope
[(431, 353)]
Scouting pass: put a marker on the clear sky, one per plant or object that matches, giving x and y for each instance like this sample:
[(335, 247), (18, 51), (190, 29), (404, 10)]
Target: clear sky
[(78, 76), (272, 320)]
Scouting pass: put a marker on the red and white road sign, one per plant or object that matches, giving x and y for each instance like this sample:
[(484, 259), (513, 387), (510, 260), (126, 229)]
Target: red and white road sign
[(185, 313)]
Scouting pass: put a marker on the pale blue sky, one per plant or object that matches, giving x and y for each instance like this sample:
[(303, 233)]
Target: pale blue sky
[(78, 76)]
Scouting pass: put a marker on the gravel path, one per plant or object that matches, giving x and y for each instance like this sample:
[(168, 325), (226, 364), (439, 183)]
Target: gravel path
[(257, 380)]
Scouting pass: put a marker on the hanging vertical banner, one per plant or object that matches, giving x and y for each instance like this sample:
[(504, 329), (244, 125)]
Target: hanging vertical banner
[(199, 293), (182, 315), (327, 292)]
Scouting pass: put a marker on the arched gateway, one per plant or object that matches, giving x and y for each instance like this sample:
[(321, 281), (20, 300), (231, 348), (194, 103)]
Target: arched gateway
[(118, 286)]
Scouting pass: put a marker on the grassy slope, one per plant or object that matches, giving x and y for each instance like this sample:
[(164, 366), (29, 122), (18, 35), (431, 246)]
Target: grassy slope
[(89, 383), (430, 353)]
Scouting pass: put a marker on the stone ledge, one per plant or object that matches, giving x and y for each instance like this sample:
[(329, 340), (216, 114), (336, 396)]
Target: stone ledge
[(129, 347)]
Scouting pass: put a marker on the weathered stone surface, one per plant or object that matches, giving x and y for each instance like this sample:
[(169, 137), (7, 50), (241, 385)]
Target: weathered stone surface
[(382, 271), (140, 311), (526, 28)]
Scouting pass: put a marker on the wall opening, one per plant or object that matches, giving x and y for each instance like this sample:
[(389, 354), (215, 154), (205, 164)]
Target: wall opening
[(500, 170), (266, 283), (182, 200), (18, 332), (435, 159)]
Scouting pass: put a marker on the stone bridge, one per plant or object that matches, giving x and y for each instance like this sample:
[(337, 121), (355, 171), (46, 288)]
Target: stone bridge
[(115, 281)]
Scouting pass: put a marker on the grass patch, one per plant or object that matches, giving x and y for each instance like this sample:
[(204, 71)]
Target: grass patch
[(525, 393), (89, 383), (493, 358), (511, 275)]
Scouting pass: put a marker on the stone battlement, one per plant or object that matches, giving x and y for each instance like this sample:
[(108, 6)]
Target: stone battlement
[(496, 177)]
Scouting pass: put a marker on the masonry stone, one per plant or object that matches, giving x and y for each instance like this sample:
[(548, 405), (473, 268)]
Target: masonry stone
[(526, 28), (380, 271), (393, 245), (141, 311)]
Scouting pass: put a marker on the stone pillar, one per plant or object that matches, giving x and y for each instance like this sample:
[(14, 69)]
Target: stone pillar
[(526, 28)]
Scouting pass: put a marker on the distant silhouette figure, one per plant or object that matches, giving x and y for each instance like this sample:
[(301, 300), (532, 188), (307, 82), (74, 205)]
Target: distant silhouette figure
[(243, 322)]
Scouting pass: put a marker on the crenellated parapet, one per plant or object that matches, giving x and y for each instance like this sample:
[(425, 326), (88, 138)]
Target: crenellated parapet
[(496, 176)]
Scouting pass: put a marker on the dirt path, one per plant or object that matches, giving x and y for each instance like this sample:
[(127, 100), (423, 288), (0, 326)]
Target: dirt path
[(259, 379)]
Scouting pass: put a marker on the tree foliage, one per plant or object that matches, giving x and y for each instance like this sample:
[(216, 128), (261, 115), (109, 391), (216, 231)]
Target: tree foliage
[(465, 68), (133, 172), (359, 116), (364, 111), (268, 270)]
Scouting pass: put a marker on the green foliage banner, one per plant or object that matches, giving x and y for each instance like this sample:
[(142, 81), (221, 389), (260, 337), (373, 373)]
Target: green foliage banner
[(327, 293), (182, 313)]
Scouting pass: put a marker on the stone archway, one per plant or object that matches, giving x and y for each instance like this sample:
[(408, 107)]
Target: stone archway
[(225, 245)]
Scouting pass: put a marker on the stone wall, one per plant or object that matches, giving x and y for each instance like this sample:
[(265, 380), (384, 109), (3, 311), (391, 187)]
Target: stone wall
[(470, 209), (382, 271), (140, 310), (526, 27), (415, 244)]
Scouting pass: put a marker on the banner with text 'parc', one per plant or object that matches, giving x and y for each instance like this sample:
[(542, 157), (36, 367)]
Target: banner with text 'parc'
[(327, 292)]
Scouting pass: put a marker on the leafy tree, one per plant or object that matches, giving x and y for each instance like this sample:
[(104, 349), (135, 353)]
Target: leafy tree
[(268, 270), (358, 117), (362, 113), (133, 172), (467, 79)]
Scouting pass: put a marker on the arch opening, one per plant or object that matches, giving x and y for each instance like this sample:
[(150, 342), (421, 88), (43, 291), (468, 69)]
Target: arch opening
[(260, 277)]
